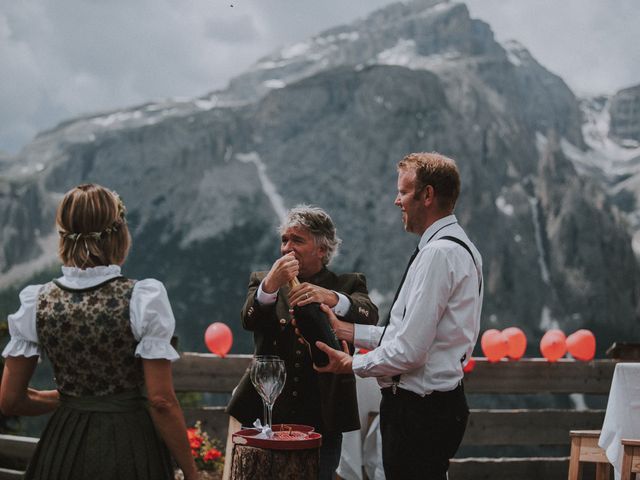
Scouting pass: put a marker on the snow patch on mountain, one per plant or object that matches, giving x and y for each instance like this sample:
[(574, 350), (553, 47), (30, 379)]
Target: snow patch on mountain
[(542, 262), (517, 54), (295, 50), (404, 54), (269, 188), (314, 50), (547, 322), (604, 156), (504, 206), (596, 132), (274, 83), (117, 117)]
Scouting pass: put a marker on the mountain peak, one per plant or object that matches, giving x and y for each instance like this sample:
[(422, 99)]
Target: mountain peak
[(517, 53), (422, 28)]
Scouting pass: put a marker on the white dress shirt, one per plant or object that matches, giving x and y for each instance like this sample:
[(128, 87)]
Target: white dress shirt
[(151, 317), (435, 320)]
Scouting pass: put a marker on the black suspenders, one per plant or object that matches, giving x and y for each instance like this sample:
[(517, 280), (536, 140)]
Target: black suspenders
[(466, 247), (396, 378)]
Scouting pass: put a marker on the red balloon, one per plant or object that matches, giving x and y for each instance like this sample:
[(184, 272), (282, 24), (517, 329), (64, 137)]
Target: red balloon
[(553, 345), (469, 366), (517, 342), (582, 345), (218, 338), (494, 345)]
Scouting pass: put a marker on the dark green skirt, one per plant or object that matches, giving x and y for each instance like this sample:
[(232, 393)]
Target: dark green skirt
[(101, 438)]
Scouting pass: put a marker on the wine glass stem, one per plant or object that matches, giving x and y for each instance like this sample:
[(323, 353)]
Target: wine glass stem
[(269, 414), (264, 413)]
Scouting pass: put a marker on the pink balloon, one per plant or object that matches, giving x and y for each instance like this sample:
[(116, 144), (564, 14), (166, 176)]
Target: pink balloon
[(553, 345), (494, 345), (218, 338), (468, 368), (517, 342), (582, 345)]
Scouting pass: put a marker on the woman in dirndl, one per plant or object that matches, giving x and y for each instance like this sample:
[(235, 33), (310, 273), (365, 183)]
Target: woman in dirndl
[(107, 337)]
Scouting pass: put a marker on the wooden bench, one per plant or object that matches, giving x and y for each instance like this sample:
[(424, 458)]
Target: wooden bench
[(488, 428), (523, 427), (528, 427), (18, 450)]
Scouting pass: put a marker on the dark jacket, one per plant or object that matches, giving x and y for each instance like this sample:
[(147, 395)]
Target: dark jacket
[(324, 400)]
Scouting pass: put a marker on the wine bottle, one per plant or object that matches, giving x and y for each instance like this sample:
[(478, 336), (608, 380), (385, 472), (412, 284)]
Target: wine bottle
[(314, 325)]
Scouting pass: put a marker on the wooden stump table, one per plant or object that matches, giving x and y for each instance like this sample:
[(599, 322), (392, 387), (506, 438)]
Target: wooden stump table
[(252, 463)]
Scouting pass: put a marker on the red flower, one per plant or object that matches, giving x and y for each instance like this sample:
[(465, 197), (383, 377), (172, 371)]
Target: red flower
[(195, 442), (205, 454), (212, 454)]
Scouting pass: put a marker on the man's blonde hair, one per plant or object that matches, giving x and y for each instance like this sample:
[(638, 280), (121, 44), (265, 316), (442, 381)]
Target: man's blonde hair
[(92, 227), (438, 171)]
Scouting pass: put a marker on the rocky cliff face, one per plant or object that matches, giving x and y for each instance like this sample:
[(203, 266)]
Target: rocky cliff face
[(325, 122), (26, 213), (625, 115)]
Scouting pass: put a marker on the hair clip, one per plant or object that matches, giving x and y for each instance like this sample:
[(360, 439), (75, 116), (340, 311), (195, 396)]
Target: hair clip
[(74, 237)]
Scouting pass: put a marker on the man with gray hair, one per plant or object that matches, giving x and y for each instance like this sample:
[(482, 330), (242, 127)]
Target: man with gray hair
[(325, 401)]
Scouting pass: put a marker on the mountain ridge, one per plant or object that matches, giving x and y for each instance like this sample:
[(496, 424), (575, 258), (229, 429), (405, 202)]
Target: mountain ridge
[(206, 183)]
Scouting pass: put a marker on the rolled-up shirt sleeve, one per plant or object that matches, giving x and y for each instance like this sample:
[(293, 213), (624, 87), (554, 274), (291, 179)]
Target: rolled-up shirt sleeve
[(152, 321), (366, 336), (22, 326)]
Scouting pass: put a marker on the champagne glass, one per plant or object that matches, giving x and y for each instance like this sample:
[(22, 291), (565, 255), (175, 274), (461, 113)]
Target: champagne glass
[(268, 375), (253, 372)]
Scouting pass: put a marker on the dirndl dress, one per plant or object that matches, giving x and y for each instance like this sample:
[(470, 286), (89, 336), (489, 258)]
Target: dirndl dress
[(101, 438), (102, 429)]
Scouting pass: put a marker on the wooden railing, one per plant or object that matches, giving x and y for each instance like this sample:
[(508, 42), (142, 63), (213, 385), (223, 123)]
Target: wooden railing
[(526, 427), (16, 452), (487, 427)]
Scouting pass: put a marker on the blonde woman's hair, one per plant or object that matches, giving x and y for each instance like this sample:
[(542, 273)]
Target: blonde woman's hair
[(92, 227)]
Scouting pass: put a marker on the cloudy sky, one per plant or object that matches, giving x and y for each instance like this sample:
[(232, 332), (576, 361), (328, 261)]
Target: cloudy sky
[(62, 58)]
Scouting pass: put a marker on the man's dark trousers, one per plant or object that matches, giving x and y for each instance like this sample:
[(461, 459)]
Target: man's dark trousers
[(421, 434)]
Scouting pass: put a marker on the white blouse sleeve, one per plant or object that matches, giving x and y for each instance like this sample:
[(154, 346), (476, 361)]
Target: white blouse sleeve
[(152, 320), (22, 326)]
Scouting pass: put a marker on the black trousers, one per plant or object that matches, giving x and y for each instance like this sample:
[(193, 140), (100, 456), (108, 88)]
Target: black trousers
[(421, 434)]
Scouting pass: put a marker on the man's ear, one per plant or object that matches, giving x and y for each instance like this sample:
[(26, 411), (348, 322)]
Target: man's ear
[(429, 195)]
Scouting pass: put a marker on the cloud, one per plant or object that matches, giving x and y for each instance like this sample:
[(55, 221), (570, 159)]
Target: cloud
[(64, 58), (241, 29), (591, 44)]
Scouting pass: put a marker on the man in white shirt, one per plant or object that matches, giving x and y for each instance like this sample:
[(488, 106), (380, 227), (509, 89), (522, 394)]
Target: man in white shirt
[(420, 349)]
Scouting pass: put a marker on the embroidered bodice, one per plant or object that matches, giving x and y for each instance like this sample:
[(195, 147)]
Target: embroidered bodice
[(86, 333)]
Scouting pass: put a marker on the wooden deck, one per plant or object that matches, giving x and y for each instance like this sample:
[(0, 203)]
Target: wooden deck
[(521, 427)]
